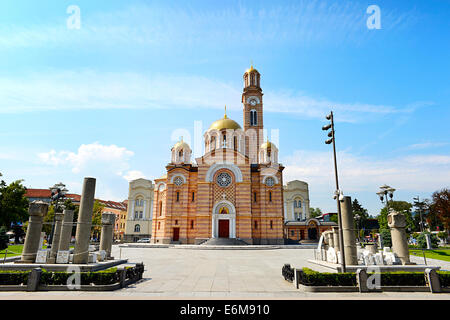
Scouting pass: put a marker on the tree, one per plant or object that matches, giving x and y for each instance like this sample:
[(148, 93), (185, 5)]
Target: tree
[(315, 212), (399, 206), (13, 203), (97, 219), (4, 239), (362, 212), (439, 209)]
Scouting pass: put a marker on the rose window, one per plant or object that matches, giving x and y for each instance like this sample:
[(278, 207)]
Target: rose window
[(223, 179), (178, 181), (270, 182)]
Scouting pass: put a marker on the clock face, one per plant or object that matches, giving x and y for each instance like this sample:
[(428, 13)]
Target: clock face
[(253, 102)]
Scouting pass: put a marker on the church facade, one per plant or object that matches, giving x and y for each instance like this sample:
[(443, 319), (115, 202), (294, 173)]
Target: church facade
[(234, 190)]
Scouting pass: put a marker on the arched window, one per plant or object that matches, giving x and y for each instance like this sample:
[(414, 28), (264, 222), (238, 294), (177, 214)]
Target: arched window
[(180, 154), (252, 79), (224, 145), (137, 228), (235, 143), (270, 196), (256, 224), (253, 118), (178, 196), (160, 208), (192, 224)]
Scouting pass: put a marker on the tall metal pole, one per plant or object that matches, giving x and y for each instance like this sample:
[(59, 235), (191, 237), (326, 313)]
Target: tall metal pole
[(341, 237)]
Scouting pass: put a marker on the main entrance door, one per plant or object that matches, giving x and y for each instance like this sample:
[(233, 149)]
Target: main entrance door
[(224, 228), (176, 234)]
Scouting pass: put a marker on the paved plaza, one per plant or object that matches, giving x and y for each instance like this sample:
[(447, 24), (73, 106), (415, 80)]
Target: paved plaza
[(173, 273)]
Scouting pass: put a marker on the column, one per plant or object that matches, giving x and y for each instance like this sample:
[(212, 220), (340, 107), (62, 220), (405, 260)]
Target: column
[(336, 238), (56, 237), (106, 237), (348, 232), (145, 208), (37, 212), (66, 230), (397, 223), (82, 236)]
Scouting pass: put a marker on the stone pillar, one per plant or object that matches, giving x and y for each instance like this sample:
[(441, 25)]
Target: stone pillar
[(330, 239), (336, 238), (84, 223), (56, 237), (66, 231), (106, 237), (37, 212), (397, 223), (348, 232)]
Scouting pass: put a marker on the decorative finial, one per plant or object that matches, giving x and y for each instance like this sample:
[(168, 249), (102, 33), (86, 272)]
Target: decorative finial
[(225, 115), (251, 66), (181, 138)]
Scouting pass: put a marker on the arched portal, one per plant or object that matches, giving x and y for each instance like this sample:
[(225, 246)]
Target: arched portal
[(223, 220)]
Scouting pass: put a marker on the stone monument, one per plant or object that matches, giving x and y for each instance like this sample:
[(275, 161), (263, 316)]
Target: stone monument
[(82, 236), (397, 223), (348, 232), (37, 212), (66, 230), (56, 237), (106, 237)]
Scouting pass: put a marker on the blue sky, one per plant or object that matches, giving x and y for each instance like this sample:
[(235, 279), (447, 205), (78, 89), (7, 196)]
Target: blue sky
[(109, 99)]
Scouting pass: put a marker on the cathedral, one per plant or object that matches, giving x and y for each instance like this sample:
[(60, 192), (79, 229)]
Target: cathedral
[(234, 190)]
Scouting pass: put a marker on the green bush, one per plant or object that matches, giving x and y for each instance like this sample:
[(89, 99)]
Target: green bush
[(422, 241), (104, 277), (444, 277), (4, 239), (313, 278), (13, 277), (401, 278), (386, 234)]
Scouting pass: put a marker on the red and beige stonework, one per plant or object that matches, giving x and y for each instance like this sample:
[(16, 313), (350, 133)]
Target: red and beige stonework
[(234, 190)]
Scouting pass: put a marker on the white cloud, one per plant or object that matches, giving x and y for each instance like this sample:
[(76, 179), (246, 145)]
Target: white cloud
[(426, 145), (133, 175), (58, 91), (359, 174), (91, 158), (303, 22)]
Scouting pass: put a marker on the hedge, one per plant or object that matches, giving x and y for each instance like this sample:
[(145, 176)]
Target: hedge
[(104, 277), (310, 277), (400, 278), (13, 277)]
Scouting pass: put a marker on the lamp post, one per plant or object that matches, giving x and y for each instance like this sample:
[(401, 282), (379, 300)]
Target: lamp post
[(338, 194), (358, 218), (58, 192), (384, 192), (419, 205)]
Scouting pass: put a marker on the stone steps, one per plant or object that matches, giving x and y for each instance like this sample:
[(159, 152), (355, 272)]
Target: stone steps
[(224, 242)]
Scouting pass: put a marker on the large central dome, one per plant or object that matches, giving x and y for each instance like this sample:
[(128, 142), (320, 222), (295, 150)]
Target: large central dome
[(225, 123)]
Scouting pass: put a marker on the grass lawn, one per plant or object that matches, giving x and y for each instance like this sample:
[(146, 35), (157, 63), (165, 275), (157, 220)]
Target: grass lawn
[(439, 254), (13, 250)]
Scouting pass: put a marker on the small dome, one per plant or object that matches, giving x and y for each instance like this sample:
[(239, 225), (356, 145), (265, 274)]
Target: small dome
[(251, 70), (181, 144), (267, 145)]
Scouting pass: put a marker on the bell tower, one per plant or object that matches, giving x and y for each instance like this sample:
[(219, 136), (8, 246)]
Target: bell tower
[(253, 113)]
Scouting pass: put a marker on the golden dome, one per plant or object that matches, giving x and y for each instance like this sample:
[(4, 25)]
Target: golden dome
[(225, 123), (251, 69), (267, 145), (181, 144)]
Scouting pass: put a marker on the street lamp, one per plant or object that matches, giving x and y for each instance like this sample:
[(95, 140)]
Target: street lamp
[(338, 195), (418, 204), (58, 192), (385, 192), (358, 218)]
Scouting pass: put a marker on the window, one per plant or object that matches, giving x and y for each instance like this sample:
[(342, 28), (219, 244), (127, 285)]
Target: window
[(253, 118), (223, 179), (178, 196), (137, 228), (140, 215), (160, 208), (271, 224), (192, 224), (193, 196), (235, 143), (180, 154), (178, 181), (159, 225), (176, 221), (254, 196), (292, 232), (256, 225), (270, 181), (270, 196), (224, 141)]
